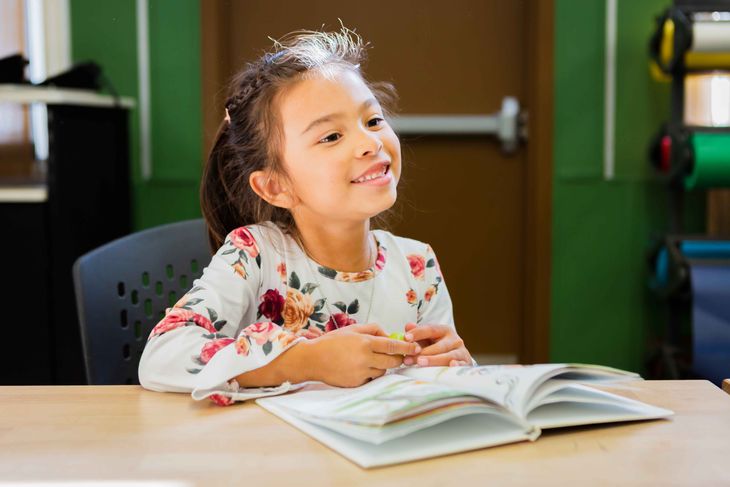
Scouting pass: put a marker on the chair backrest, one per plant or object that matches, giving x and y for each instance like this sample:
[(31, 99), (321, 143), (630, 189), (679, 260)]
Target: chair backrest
[(123, 289)]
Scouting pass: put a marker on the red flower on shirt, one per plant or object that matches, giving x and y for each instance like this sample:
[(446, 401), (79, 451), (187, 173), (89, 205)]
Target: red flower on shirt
[(430, 292), (241, 238), (271, 305), (339, 320), (212, 347), (418, 265), (178, 317)]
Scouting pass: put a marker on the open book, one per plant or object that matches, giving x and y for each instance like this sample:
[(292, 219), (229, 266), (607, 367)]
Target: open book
[(421, 412)]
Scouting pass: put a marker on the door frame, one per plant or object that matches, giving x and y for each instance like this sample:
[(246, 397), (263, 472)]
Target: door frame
[(535, 336), (534, 344)]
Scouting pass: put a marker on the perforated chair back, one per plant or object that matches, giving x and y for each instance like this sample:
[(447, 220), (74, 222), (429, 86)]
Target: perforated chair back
[(123, 289)]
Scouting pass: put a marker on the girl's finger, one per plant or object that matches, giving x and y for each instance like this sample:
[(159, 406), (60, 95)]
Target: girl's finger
[(428, 332), (410, 326), (384, 361), (444, 345), (393, 347), (367, 329), (443, 359)]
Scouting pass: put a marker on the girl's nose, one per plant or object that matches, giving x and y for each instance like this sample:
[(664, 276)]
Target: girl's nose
[(369, 144)]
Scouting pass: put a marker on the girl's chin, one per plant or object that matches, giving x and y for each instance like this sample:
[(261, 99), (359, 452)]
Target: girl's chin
[(386, 205)]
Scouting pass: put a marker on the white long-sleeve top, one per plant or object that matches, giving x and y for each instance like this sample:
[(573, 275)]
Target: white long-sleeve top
[(261, 294)]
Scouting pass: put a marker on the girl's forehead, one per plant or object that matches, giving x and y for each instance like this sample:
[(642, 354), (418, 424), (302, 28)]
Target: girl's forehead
[(335, 85), (317, 95)]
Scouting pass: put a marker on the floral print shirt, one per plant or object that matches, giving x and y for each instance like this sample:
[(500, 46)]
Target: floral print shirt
[(261, 294)]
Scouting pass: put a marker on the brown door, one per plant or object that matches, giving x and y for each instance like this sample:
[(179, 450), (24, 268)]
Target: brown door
[(461, 194)]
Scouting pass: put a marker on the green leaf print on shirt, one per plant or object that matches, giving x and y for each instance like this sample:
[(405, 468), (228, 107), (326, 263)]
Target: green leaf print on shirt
[(327, 272), (294, 280), (319, 317), (309, 288), (191, 302)]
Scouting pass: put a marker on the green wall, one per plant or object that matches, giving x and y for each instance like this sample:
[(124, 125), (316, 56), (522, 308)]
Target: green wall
[(106, 32), (602, 311)]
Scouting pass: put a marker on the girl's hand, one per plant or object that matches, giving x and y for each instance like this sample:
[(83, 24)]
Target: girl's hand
[(352, 355), (440, 343)]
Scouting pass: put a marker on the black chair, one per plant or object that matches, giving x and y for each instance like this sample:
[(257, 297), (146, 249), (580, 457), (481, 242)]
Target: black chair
[(123, 289)]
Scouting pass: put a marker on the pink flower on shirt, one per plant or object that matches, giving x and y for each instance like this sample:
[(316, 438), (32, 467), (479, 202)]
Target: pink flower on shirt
[(260, 332), (418, 265), (380, 260), (178, 317), (241, 238), (221, 400), (212, 347)]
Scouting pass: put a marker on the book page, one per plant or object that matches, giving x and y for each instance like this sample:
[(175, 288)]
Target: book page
[(455, 435), (388, 407), (513, 386), (576, 404), (506, 385), (378, 402)]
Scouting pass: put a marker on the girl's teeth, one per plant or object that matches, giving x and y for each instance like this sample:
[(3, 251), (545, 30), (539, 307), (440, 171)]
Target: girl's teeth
[(368, 178)]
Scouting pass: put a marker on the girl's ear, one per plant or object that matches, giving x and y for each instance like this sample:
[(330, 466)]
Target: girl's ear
[(267, 185)]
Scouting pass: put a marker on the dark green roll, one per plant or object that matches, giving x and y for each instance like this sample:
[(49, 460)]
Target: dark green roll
[(711, 161)]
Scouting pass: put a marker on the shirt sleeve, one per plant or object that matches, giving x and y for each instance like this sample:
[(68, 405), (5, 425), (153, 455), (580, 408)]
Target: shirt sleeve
[(203, 342), (434, 304)]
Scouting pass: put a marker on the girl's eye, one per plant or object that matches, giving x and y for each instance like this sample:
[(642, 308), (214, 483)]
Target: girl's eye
[(377, 120), (330, 138)]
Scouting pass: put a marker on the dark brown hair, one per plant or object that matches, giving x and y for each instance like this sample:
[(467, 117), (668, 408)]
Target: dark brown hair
[(250, 138)]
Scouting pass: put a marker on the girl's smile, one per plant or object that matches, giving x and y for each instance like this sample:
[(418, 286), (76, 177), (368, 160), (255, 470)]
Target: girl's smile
[(378, 175)]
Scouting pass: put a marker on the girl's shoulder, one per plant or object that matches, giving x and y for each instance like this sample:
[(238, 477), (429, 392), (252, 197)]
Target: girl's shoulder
[(266, 235), (402, 245)]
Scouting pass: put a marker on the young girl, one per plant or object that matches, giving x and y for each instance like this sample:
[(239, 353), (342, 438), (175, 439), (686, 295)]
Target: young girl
[(300, 288)]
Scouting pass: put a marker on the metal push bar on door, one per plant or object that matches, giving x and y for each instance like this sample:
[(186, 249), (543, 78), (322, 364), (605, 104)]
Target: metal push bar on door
[(507, 125)]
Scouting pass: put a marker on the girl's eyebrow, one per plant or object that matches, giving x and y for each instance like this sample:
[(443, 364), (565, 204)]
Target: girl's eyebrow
[(366, 104)]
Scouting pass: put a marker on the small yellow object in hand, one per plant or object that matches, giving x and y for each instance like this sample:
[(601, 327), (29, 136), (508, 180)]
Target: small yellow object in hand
[(397, 336)]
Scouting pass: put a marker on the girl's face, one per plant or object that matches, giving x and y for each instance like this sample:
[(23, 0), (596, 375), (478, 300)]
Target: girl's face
[(342, 158)]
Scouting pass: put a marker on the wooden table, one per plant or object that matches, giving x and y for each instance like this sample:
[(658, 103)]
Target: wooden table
[(125, 433)]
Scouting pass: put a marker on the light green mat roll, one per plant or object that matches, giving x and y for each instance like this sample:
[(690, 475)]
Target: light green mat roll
[(711, 162)]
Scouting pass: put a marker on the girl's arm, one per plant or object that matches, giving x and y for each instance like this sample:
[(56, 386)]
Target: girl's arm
[(347, 357), (203, 343)]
